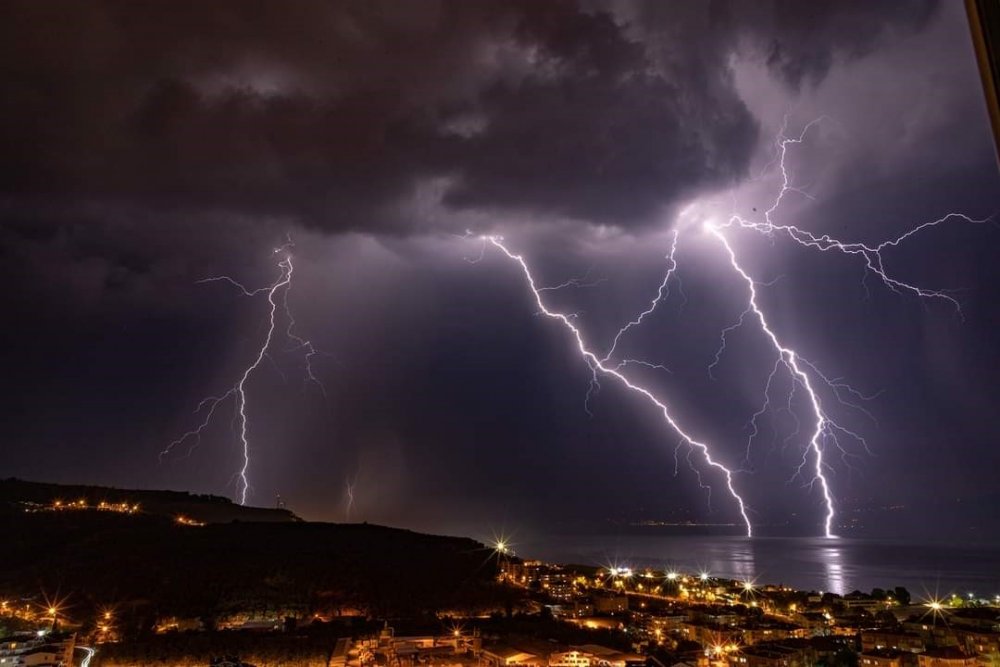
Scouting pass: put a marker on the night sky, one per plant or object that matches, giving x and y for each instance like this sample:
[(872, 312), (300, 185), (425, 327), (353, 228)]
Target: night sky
[(147, 145)]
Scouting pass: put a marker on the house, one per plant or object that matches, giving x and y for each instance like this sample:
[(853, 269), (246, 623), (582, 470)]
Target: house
[(947, 656)]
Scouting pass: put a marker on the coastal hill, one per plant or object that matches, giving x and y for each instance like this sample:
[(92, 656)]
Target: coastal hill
[(151, 564), (203, 508)]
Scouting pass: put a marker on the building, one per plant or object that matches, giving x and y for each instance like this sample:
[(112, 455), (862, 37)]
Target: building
[(771, 655), (947, 656), (666, 623), (896, 640), (982, 618), (933, 634), (886, 657), (978, 642), (521, 572), (709, 634), (602, 656), (571, 658), (859, 600), (37, 650), (502, 655), (556, 583), (773, 631)]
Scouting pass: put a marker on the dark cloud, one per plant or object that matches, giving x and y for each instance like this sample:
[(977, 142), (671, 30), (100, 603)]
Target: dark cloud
[(333, 113), (798, 41), (316, 112), (596, 133)]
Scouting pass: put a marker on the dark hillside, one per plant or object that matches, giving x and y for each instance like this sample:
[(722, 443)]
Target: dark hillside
[(205, 508), (152, 563)]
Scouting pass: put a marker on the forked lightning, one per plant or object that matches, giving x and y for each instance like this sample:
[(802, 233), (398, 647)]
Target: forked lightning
[(237, 392), (804, 374)]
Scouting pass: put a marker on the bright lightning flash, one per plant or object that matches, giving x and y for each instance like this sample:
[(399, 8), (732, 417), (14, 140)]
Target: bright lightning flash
[(599, 366), (790, 360), (282, 285), (804, 374)]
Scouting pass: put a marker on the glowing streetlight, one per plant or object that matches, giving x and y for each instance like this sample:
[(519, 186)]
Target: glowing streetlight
[(936, 608), (502, 545)]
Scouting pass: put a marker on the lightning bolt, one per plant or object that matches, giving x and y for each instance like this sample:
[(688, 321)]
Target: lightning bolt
[(804, 375), (598, 365), (790, 359), (281, 285), (871, 255), (349, 489), (661, 293)]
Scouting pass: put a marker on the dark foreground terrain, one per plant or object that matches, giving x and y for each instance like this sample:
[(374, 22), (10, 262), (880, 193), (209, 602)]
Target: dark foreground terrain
[(148, 566)]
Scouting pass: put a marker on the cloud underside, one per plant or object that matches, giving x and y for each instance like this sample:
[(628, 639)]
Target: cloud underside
[(335, 114)]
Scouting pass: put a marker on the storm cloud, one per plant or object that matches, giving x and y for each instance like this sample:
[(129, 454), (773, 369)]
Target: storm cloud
[(146, 145), (333, 114)]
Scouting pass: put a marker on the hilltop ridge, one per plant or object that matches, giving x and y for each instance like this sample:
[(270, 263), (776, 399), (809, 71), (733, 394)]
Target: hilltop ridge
[(204, 508)]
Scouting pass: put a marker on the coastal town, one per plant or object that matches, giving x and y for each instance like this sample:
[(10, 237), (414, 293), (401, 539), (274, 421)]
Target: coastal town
[(556, 616), (701, 620)]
